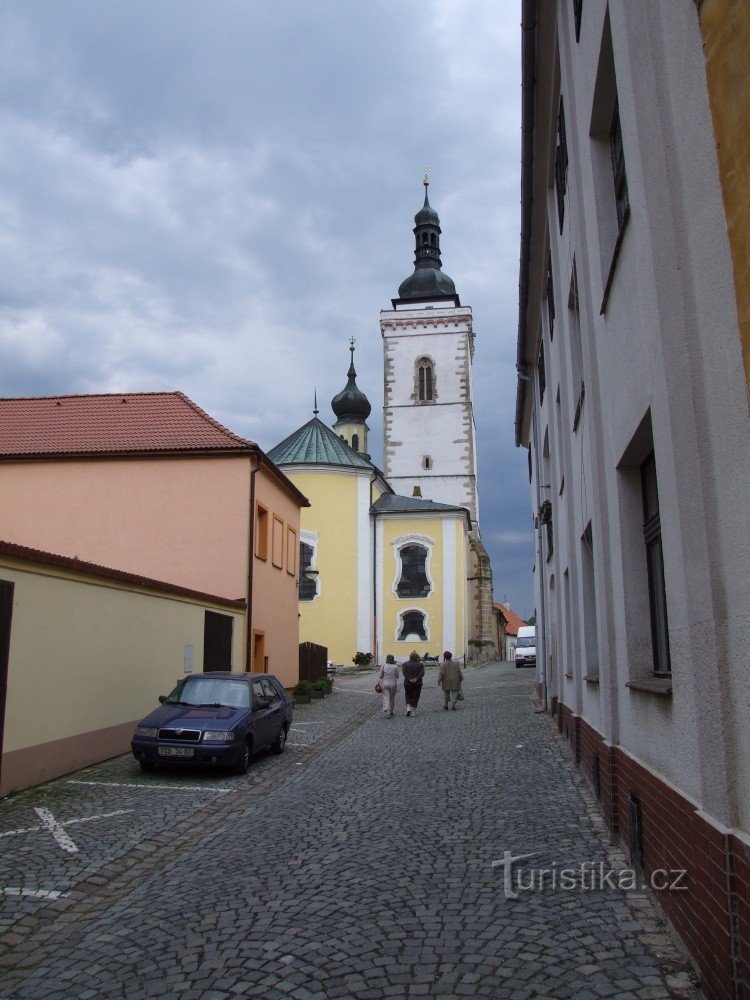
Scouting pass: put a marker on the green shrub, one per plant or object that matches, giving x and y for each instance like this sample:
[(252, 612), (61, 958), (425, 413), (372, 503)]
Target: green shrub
[(362, 659), (304, 687), (324, 685)]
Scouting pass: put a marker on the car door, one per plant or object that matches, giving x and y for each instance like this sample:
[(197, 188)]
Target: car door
[(264, 731), (276, 713)]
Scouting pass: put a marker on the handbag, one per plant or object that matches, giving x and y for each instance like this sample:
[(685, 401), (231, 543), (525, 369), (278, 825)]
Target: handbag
[(379, 687)]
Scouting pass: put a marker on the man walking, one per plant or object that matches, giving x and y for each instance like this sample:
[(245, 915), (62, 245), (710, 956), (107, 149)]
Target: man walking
[(449, 679)]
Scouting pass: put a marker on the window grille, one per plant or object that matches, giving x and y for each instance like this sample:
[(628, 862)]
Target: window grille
[(412, 623), (413, 581)]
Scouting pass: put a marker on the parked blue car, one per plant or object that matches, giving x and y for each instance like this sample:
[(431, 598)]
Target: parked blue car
[(219, 719)]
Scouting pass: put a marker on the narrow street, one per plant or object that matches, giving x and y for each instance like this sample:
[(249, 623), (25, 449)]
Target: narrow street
[(359, 864)]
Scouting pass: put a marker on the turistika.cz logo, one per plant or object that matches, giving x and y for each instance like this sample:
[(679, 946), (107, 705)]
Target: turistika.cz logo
[(588, 876)]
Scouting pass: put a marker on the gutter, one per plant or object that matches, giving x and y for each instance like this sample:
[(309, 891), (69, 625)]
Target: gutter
[(250, 568), (528, 96)]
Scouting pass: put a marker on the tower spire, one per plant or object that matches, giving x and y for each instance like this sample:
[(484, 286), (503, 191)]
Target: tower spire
[(428, 280)]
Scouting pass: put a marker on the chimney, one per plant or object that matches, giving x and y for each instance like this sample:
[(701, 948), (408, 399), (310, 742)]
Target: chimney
[(417, 491)]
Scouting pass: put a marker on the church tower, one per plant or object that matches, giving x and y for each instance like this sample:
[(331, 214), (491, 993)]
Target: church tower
[(428, 412)]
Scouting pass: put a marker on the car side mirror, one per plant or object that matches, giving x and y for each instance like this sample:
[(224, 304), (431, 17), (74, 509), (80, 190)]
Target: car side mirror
[(162, 699)]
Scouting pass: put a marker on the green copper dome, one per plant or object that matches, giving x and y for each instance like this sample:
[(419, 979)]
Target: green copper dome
[(351, 403), (428, 280)]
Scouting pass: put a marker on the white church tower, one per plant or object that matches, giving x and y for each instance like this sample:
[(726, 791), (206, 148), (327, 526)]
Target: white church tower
[(428, 412)]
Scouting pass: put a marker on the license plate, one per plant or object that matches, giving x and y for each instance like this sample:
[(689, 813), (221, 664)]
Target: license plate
[(176, 752)]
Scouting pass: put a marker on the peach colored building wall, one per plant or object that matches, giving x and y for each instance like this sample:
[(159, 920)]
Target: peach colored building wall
[(181, 520), (275, 619)]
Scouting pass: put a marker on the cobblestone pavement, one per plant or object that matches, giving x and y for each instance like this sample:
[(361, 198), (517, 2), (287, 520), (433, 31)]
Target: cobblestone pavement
[(359, 864)]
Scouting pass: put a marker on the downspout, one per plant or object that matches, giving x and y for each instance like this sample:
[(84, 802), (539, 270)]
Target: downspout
[(374, 517), (541, 632), (250, 568), (528, 112)]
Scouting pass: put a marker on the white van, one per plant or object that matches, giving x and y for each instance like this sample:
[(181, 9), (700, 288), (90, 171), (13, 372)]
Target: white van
[(526, 646)]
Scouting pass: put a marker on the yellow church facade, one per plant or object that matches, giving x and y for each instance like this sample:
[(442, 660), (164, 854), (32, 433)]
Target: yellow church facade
[(379, 573)]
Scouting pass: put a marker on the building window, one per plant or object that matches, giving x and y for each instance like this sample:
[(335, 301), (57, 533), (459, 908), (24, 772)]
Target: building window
[(277, 542), (618, 167), (355, 442), (412, 626), (413, 581), (426, 462), (425, 381), (291, 551), (576, 351), (550, 298), (540, 372), (561, 165), (577, 12), (657, 594), (308, 589), (545, 519), (261, 531)]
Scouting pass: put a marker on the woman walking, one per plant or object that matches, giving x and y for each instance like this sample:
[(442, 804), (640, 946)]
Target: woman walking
[(413, 671), (387, 684), (449, 679)]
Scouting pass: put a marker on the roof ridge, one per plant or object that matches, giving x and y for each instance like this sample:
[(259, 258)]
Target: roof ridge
[(211, 420), (90, 395)]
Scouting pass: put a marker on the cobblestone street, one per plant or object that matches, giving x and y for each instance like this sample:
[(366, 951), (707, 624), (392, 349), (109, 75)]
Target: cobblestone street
[(359, 864)]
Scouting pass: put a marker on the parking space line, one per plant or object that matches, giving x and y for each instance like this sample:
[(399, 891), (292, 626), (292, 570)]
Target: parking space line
[(175, 788), (35, 893), (304, 746), (61, 837)]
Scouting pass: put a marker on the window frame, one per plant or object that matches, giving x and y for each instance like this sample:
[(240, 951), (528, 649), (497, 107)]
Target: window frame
[(561, 164), (402, 542), (277, 558), (261, 530), (657, 591)]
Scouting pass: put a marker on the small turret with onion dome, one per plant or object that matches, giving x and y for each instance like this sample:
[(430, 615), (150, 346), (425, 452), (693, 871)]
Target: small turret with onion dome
[(352, 408)]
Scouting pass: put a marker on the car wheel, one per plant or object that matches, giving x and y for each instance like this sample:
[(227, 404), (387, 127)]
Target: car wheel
[(244, 763), (280, 742), (146, 765)]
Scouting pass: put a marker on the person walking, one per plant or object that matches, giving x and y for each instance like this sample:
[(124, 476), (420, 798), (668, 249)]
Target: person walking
[(449, 679), (413, 671), (387, 684)]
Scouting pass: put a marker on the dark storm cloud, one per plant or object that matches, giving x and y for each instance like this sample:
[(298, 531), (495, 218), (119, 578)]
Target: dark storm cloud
[(216, 196)]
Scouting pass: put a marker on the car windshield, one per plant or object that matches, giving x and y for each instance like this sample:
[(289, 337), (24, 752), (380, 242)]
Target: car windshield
[(216, 691), (526, 641)]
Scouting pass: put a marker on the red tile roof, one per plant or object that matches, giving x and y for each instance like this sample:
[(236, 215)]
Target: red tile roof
[(512, 621), (117, 423)]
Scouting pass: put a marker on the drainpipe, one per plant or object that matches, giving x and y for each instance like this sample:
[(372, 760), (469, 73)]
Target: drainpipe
[(374, 576), (541, 638), (250, 567)]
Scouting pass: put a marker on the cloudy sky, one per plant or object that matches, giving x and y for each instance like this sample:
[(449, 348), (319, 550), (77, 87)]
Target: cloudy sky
[(214, 195)]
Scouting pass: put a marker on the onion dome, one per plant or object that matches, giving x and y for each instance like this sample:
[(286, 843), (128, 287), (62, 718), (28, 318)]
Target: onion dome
[(428, 280), (351, 403)]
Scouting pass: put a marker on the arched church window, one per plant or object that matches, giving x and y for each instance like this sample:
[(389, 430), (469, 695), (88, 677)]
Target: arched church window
[(425, 238), (425, 381), (413, 581), (433, 240), (308, 589), (412, 626), (355, 442)]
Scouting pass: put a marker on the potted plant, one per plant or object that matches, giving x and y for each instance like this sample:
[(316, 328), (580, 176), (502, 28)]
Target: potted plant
[(302, 695), (362, 659), (317, 689)]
